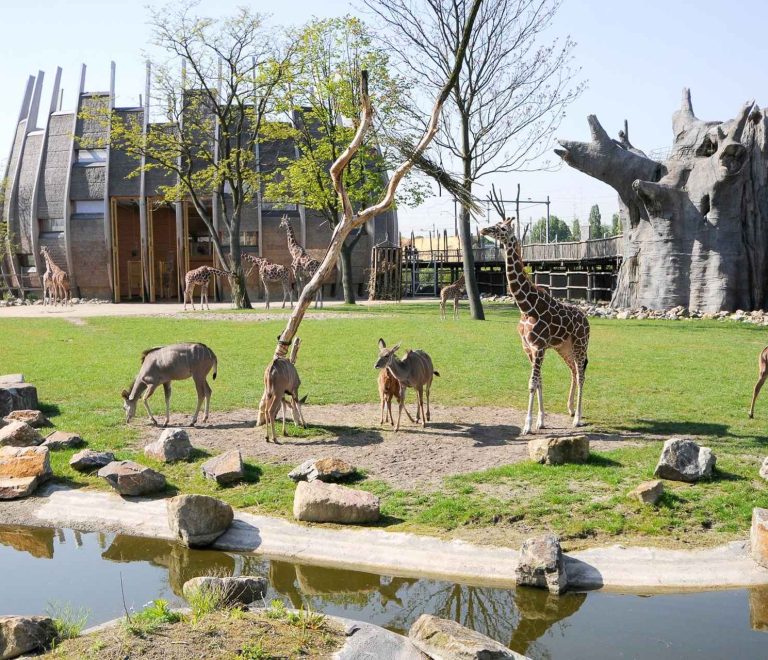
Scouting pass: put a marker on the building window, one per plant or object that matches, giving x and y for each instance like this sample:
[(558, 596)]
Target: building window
[(88, 207), (89, 156), (26, 261), (51, 225)]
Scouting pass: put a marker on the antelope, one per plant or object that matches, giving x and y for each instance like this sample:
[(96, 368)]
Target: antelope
[(280, 378), (762, 366), (414, 370), (163, 364), (389, 386)]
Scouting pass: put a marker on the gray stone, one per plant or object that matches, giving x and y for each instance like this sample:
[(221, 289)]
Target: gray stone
[(34, 418), (226, 468), (62, 440), (198, 520), (316, 501), (16, 395), (541, 564), (129, 478), (19, 434), (764, 469), (648, 492), (172, 445), (325, 469), (684, 460), (89, 460), (557, 451), (448, 640), (240, 590), (22, 634)]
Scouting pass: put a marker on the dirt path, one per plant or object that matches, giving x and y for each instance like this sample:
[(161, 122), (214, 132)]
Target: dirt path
[(458, 440)]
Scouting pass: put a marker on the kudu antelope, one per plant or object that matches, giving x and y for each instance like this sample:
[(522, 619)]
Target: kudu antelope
[(160, 366), (414, 370), (762, 374), (389, 386), (281, 378)]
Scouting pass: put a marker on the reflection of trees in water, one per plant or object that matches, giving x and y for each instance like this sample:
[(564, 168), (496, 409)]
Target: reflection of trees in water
[(37, 541)]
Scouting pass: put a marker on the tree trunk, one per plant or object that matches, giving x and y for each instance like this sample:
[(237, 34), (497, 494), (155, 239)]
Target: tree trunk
[(346, 273), (695, 225), (237, 278)]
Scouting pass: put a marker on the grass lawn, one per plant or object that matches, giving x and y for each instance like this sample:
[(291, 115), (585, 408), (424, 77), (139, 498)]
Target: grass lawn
[(653, 377)]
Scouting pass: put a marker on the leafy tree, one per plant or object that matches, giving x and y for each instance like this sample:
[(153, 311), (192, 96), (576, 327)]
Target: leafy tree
[(596, 230), (575, 230), (321, 99), (615, 225), (558, 230)]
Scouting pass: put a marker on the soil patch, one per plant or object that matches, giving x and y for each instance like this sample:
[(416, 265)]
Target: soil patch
[(457, 440)]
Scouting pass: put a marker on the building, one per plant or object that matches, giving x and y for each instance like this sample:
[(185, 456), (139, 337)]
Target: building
[(113, 234)]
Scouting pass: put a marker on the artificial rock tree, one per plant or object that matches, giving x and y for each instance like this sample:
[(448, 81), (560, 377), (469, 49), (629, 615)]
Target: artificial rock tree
[(696, 224)]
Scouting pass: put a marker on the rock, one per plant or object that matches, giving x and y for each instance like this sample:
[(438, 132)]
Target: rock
[(19, 434), (62, 440), (34, 418), (764, 469), (22, 470), (15, 394), (448, 640), (129, 478), (22, 634), (244, 589), (89, 460), (172, 445), (684, 460), (316, 501), (556, 451), (648, 492), (758, 536), (198, 520), (226, 468), (325, 469), (541, 564)]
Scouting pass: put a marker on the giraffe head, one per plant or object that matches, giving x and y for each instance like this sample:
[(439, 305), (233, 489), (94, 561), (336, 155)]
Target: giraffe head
[(43, 250), (129, 405), (284, 222), (385, 355), (504, 232)]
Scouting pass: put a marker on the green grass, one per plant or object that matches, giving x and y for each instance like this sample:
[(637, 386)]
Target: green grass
[(652, 377)]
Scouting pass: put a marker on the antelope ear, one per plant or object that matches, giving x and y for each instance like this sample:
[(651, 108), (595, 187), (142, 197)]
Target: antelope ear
[(125, 394), (382, 345), (396, 346)]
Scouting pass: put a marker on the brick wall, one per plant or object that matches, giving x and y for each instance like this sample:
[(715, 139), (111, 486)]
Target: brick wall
[(90, 257), (56, 164)]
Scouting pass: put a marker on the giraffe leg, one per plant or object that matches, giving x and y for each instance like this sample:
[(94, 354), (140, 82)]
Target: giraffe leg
[(150, 391), (442, 309), (533, 386), (540, 417), (167, 392), (286, 293), (456, 308), (266, 295), (580, 374)]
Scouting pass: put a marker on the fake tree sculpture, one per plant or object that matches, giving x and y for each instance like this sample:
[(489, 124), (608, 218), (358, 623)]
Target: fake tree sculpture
[(695, 225)]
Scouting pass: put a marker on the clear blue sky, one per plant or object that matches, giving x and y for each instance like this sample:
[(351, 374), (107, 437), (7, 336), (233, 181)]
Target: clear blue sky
[(635, 56)]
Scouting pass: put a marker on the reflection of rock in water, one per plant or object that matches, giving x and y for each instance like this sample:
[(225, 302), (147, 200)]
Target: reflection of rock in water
[(315, 580), (37, 541), (182, 563), (758, 608), (539, 611), (282, 578)]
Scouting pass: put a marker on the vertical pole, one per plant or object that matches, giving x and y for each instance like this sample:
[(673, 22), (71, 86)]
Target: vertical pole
[(180, 207), (113, 278), (147, 255), (455, 218), (517, 211), (547, 219)]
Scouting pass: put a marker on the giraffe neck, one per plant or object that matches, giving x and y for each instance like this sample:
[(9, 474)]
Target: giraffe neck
[(518, 283), (293, 247)]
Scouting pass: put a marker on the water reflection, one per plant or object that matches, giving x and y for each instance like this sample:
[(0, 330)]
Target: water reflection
[(37, 541), (758, 608)]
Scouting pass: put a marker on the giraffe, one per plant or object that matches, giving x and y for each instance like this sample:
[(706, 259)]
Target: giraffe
[(453, 291), (47, 281), (303, 264), (270, 272), (59, 279), (199, 276), (544, 323)]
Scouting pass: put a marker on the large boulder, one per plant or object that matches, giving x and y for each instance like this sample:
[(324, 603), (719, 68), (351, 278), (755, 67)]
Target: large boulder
[(764, 469), (240, 590), (226, 468), (443, 639), (648, 492), (684, 460), (541, 564), (557, 451), (34, 418), (22, 634), (22, 470), (325, 469), (129, 478), (15, 394), (172, 445), (19, 434), (62, 440), (758, 536), (316, 501), (89, 460), (198, 520)]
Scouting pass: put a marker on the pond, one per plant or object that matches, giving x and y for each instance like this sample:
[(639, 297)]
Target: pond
[(41, 568)]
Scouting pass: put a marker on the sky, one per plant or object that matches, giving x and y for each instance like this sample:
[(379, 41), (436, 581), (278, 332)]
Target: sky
[(635, 57)]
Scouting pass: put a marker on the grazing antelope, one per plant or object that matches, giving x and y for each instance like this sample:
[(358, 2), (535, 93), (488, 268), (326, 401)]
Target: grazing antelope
[(414, 370), (280, 378), (762, 374), (389, 386), (160, 366)]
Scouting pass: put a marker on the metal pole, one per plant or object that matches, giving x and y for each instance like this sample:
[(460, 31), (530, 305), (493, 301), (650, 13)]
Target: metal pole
[(547, 228), (517, 211)]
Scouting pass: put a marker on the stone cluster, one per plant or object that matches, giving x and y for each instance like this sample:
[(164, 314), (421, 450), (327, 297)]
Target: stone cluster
[(22, 302)]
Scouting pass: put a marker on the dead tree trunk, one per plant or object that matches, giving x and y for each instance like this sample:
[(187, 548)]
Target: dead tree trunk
[(695, 225)]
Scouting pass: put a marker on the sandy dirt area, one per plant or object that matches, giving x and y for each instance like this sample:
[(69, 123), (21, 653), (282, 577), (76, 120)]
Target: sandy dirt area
[(456, 441)]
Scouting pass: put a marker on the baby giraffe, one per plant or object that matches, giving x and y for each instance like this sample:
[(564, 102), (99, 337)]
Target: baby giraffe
[(453, 292)]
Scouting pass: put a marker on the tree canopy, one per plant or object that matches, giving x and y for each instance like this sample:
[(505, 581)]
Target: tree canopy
[(558, 230)]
